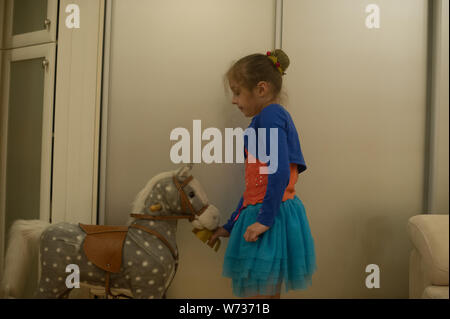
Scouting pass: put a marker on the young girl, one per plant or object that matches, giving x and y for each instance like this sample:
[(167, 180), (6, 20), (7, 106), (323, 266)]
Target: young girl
[(270, 239)]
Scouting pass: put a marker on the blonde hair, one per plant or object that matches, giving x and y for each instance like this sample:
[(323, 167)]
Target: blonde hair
[(251, 69)]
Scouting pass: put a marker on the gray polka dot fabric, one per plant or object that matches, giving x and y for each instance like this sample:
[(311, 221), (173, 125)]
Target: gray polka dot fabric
[(147, 263)]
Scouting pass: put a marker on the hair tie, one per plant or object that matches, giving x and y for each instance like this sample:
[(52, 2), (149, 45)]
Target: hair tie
[(274, 59)]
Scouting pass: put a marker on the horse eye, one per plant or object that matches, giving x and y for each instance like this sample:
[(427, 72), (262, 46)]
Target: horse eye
[(191, 194)]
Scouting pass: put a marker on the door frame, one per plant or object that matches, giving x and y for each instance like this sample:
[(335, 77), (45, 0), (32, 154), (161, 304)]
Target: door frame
[(104, 118), (77, 115)]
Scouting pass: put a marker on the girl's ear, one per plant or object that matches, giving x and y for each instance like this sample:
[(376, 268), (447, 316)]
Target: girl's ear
[(262, 88)]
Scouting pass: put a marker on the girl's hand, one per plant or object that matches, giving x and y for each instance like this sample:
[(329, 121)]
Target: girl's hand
[(220, 232), (254, 230)]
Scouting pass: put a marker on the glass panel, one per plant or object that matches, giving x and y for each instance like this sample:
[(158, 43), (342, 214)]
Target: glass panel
[(29, 16), (23, 166), (23, 170)]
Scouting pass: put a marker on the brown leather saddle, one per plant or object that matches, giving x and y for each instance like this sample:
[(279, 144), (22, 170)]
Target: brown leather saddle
[(103, 245)]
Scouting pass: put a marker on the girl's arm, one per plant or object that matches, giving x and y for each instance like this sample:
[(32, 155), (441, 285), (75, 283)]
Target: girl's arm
[(272, 117), (229, 225)]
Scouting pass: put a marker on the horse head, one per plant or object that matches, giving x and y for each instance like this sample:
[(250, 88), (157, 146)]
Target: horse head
[(177, 194)]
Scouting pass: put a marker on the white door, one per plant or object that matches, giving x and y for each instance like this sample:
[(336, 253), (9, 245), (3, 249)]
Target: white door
[(358, 93), (26, 135)]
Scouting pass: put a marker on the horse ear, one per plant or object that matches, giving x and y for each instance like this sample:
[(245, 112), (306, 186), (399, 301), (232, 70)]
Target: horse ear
[(184, 170)]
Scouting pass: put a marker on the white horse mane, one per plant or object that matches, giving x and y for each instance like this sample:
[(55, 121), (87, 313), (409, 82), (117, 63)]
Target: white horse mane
[(139, 202)]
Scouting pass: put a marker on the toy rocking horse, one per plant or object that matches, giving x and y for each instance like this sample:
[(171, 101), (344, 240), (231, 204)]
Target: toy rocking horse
[(141, 257)]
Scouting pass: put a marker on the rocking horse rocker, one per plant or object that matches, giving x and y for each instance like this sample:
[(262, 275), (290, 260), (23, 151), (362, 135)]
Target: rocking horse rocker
[(141, 257)]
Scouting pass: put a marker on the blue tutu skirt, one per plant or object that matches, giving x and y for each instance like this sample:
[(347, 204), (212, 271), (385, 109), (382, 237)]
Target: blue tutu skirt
[(284, 254)]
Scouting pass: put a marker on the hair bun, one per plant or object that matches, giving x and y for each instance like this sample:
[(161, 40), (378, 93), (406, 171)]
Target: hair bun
[(282, 58)]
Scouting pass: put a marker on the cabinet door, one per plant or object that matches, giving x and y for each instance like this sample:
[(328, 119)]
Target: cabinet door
[(30, 22), (26, 134)]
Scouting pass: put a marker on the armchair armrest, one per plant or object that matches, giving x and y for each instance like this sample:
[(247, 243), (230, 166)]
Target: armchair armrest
[(430, 237)]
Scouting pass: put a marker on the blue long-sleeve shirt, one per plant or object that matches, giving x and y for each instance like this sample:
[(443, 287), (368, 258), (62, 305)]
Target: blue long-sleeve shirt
[(289, 151)]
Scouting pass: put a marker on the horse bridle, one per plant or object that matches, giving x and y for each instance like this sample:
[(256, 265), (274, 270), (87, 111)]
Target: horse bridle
[(185, 202), (186, 205)]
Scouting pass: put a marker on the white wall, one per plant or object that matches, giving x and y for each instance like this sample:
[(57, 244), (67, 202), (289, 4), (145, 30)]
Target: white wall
[(167, 62), (359, 96)]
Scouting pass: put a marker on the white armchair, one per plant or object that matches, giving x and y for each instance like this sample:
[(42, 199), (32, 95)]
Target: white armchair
[(428, 263)]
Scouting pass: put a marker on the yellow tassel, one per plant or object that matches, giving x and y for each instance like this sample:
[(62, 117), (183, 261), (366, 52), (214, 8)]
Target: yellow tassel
[(217, 245), (204, 235)]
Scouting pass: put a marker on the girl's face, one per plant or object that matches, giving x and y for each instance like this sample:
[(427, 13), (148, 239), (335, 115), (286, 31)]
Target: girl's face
[(247, 101), (251, 102)]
